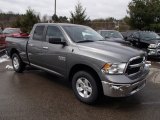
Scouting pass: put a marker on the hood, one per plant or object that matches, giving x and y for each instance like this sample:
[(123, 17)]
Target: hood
[(3, 36), (114, 39), (113, 51), (119, 40)]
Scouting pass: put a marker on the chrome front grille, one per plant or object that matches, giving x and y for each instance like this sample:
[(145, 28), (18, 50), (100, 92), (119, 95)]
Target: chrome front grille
[(135, 65)]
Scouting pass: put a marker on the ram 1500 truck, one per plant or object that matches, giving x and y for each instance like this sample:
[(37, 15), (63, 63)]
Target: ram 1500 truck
[(82, 56)]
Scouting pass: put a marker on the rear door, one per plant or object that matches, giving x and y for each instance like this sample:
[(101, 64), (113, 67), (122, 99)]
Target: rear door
[(54, 55), (35, 45)]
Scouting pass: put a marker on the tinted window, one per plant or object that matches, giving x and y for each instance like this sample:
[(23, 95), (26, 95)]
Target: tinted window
[(111, 34), (53, 31), (38, 33)]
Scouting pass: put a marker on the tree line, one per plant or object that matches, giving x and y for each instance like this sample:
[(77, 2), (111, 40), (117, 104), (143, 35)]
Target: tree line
[(27, 20), (141, 15), (144, 15)]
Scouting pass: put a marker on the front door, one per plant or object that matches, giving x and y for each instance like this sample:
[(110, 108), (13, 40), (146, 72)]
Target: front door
[(54, 55)]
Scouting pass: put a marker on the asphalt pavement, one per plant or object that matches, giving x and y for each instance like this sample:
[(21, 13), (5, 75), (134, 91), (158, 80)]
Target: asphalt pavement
[(37, 95)]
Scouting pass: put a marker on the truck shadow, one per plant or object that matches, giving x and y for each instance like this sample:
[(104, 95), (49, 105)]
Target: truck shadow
[(125, 102), (51, 86), (51, 77)]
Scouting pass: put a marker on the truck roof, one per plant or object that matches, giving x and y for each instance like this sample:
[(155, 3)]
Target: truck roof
[(107, 30), (59, 24)]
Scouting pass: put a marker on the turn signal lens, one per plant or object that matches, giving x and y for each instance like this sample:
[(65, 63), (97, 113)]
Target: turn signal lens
[(107, 66)]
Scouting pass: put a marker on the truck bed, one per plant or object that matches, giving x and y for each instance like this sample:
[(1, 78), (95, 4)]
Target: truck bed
[(19, 43)]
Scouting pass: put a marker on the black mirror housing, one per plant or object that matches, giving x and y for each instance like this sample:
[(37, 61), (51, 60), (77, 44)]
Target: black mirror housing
[(56, 40)]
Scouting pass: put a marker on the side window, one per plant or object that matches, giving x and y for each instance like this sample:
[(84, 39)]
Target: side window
[(38, 33), (54, 31)]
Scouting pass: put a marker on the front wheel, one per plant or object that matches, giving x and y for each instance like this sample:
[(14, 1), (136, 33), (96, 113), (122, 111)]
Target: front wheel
[(17, 63), (85, 87)]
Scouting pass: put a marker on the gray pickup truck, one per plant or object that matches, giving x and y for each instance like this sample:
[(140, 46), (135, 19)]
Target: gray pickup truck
[(80, 55)]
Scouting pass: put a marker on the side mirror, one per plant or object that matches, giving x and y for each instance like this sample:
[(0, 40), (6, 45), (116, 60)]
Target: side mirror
[(56, 40)]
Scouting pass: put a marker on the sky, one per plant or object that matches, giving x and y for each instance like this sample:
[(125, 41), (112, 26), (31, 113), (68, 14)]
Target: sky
[(94, 8)]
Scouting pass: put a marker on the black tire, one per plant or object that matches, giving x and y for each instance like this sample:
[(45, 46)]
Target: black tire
[(95, 93), (20, 68)]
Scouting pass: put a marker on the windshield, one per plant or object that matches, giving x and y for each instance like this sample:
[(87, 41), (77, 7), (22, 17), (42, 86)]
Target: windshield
[(11, 30), (111, 34), (149, 36), (82, 34)]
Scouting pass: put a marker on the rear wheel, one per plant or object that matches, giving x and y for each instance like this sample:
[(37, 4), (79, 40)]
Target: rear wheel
[(17, 63), (85, 87)]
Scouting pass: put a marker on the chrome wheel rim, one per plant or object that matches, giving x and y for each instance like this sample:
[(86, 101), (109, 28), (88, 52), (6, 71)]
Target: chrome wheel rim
[(16, 63), (84, 87)]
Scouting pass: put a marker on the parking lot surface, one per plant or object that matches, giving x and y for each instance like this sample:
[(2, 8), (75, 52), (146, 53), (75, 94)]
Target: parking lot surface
[(37, 95)]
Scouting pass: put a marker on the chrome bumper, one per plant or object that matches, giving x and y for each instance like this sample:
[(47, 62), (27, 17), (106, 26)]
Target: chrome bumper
[(122, 90), (128, 86), (153, 52)]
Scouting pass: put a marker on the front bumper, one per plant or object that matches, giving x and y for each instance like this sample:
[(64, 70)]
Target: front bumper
[(122, 90), (113, 88)]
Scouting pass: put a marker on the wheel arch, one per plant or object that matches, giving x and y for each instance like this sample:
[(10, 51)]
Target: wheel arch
[(12, 51), (87, 68)]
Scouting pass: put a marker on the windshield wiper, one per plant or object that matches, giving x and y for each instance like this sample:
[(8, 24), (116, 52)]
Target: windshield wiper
[(85, 41)]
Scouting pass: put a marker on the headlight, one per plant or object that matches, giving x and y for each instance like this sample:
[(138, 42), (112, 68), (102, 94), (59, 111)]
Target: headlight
[(152, 46), (110, 68)]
